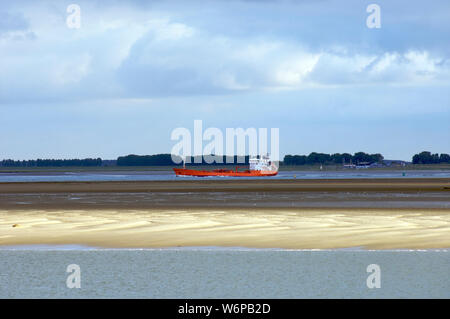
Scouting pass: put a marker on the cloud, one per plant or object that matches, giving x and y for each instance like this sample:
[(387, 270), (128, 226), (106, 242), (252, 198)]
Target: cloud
[(14, 27), (159, 51), (72, 70), (217, 64), (311, 68)]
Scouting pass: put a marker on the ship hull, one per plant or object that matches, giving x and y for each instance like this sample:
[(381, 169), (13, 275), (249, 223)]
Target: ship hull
[(204, 173)]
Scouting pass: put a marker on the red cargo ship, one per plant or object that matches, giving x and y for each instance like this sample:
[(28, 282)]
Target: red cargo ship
[(258, 167)]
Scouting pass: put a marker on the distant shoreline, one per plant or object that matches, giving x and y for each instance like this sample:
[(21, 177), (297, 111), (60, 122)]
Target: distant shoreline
[(169, 168)]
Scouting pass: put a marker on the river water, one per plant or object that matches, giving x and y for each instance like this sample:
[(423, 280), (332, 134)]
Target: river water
[(169, 175), (41, 272)]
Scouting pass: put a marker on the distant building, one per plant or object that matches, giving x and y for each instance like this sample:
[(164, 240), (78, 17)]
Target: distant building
[(383, 163), (363, 165), (395, 163), (359, 165)]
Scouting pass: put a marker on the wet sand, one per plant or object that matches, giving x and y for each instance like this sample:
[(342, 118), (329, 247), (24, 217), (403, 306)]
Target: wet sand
[(235, 185), (112, 214)]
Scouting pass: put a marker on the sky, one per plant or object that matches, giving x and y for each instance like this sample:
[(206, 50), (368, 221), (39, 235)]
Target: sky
[(136, 70)]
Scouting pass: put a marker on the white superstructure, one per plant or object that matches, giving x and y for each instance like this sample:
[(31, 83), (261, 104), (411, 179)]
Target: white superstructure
[(262, 164)]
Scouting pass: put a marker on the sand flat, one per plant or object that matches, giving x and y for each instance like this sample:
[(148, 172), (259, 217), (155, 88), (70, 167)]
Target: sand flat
[(297, 229), (247, 213)]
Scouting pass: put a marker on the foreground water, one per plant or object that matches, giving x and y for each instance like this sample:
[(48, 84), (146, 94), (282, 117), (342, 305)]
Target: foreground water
[(169, 175), (27, 272)]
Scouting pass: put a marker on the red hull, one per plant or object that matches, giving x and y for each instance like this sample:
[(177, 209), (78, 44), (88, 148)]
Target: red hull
[(222, 172)]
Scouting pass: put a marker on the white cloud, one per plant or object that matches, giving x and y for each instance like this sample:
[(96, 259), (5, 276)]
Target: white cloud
[(292, 72), (165, 30), (134, 53), (385, 62), (228, 81), (71, 70), (414, 67)]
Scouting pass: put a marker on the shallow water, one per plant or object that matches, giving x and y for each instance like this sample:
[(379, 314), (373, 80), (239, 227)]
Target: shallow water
[(169, 175), (27, 272)]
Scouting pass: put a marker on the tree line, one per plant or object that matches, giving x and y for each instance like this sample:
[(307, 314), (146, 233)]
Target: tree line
[(166, 160), (313, 158), (428, 158), (337, 158), (145, 160), (87, 162)]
